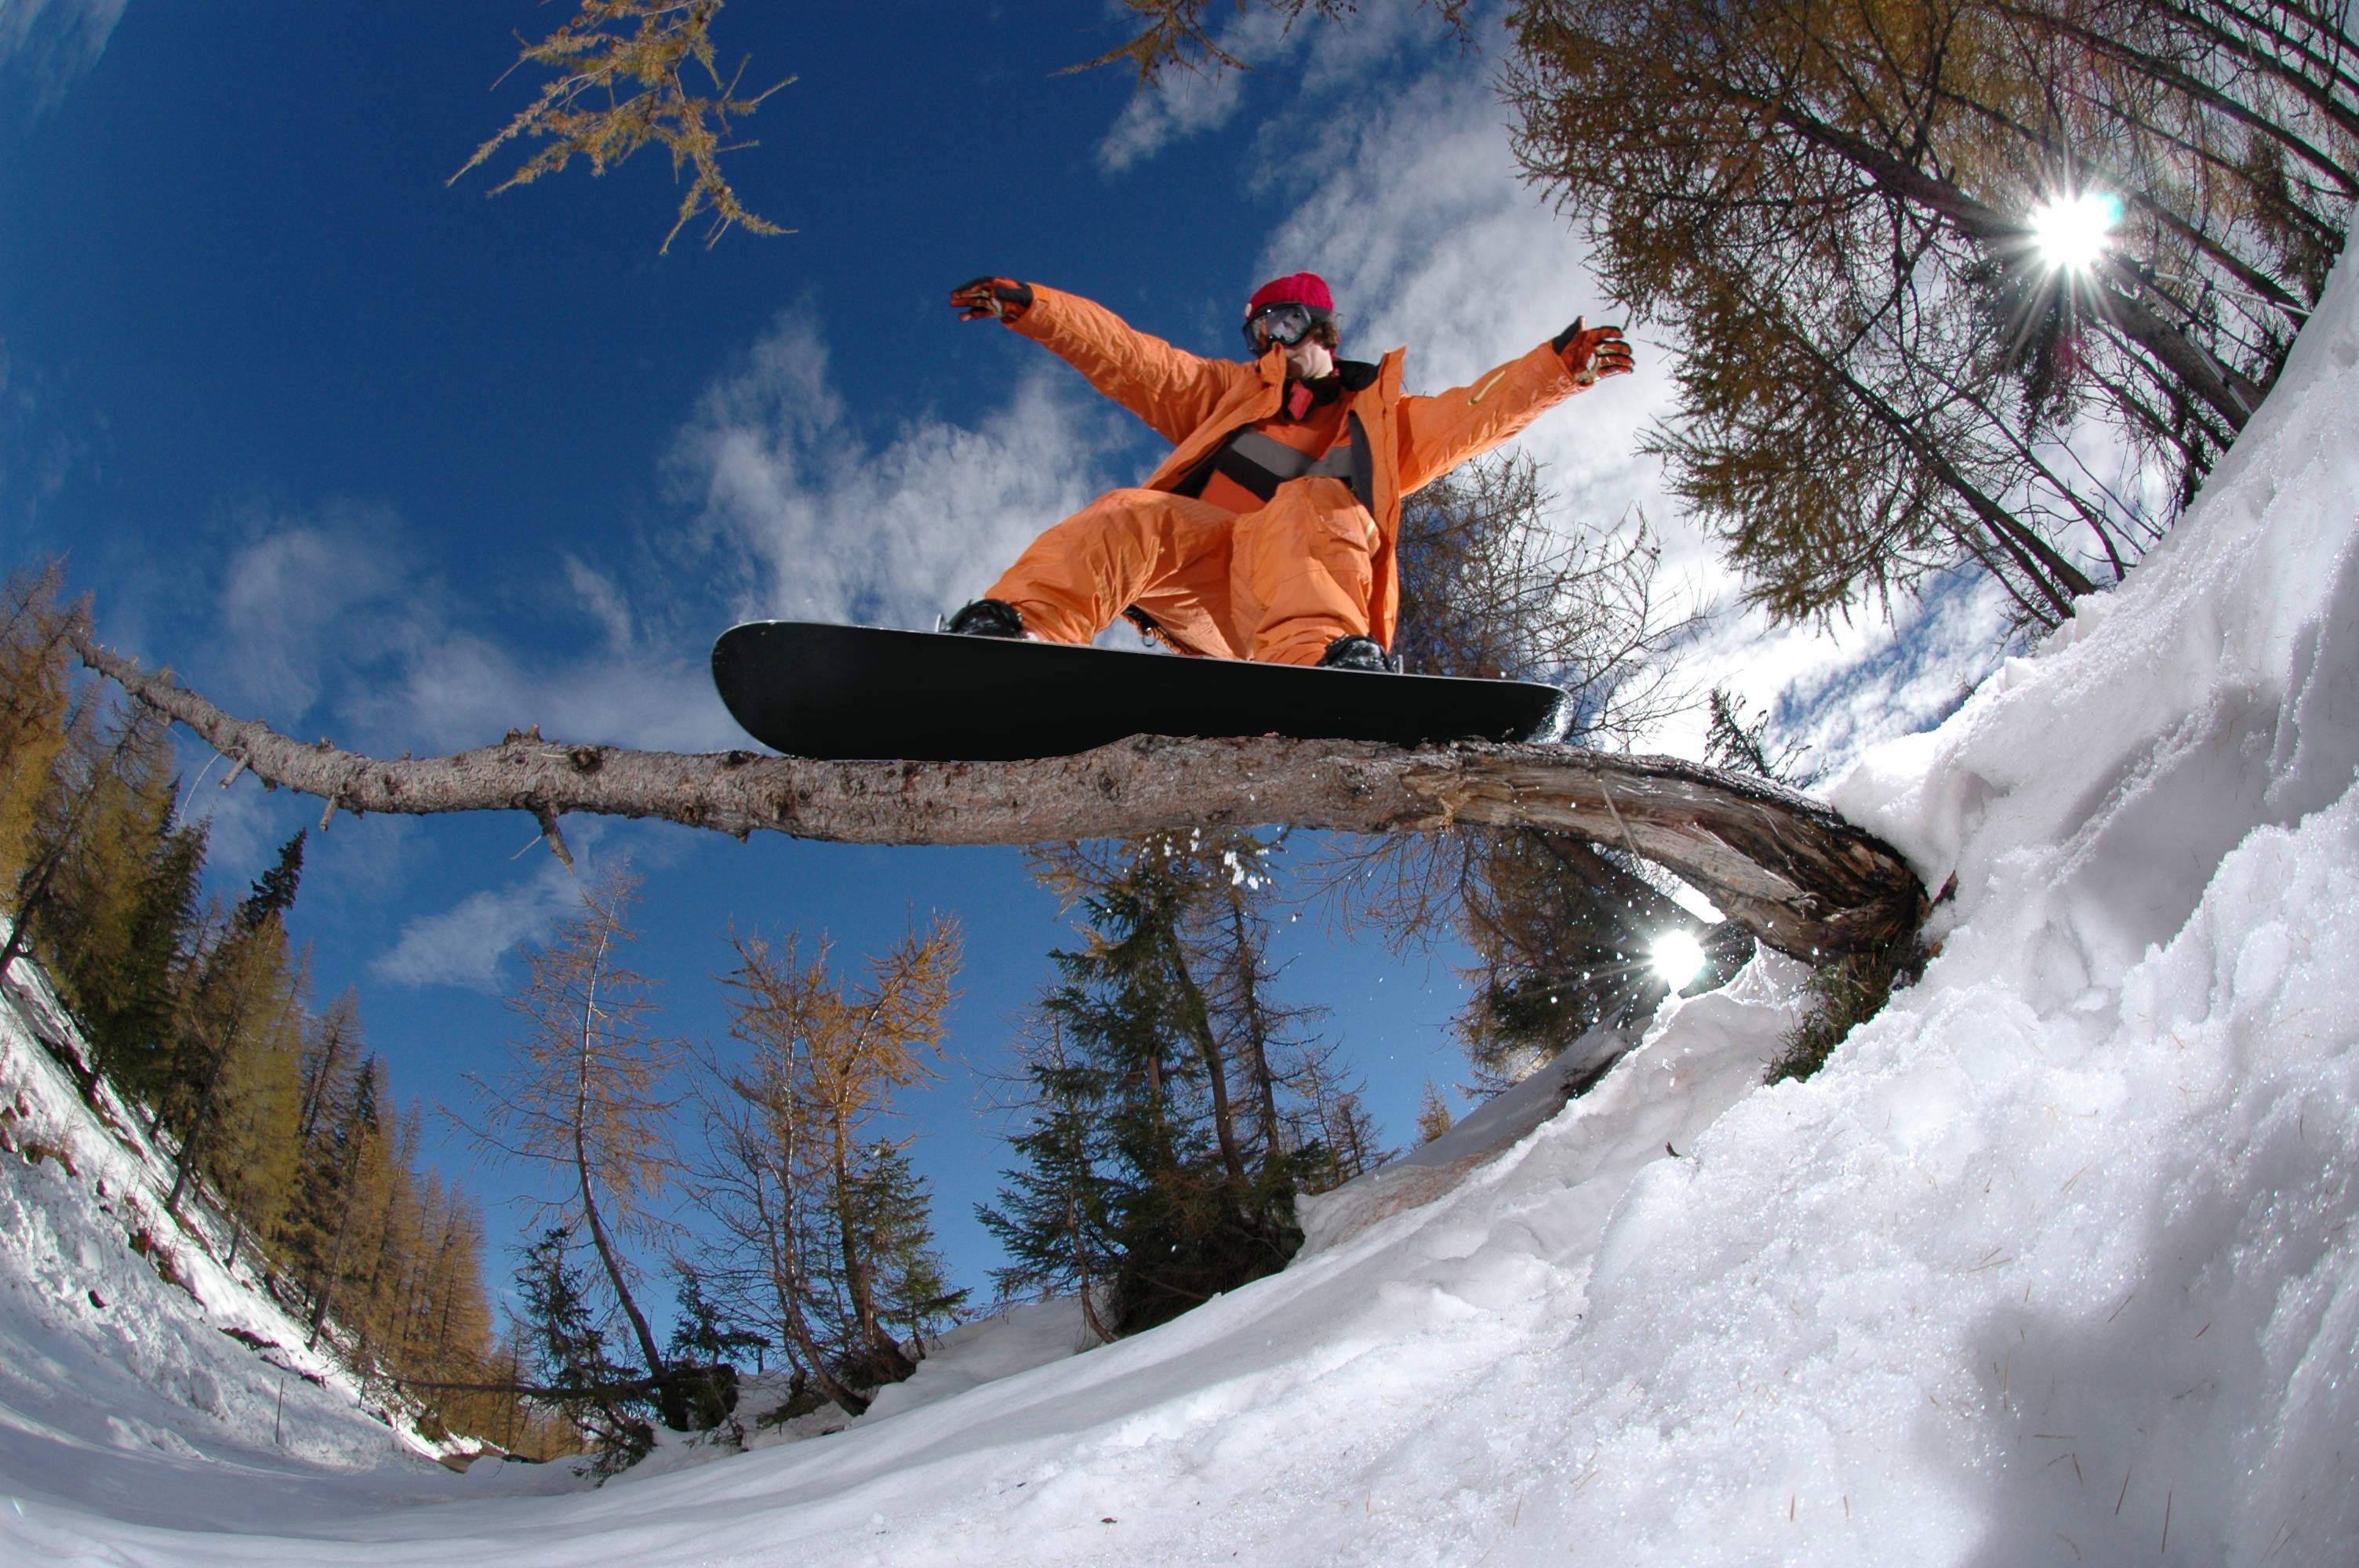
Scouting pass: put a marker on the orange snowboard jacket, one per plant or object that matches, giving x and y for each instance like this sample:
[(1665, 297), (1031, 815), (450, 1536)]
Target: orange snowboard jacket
[(1198, 404)]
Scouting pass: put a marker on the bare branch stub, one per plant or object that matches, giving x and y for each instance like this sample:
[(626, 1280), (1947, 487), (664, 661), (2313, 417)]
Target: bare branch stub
[(1798, 877)]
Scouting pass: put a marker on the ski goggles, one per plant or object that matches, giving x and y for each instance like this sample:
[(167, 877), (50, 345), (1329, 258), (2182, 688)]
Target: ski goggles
[(1286, 322)]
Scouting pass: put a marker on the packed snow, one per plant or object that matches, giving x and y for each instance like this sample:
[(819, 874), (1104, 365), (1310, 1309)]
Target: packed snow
[(2053, 1262)]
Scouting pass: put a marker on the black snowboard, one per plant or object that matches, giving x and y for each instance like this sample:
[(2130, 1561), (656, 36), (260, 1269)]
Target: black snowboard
[(858, 691)]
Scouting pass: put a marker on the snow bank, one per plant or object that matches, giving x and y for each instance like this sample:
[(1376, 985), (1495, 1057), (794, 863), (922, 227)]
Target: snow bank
[(135, 1367), (1428, 1171), (2054, 1262)]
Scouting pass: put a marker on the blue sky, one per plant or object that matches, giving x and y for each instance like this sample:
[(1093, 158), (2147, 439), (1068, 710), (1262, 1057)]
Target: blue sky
[(370, 458)]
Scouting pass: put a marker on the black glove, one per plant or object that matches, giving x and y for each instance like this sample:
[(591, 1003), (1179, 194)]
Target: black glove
[(1001, 297)]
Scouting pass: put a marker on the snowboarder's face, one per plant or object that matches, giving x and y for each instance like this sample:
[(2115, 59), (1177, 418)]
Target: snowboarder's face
[(1294, 326), (1309, 359)]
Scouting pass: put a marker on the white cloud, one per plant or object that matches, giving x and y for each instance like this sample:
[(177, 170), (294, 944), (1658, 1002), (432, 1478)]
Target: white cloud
[(1186, 104), (243, 830), (53, 42), (1901, 676), (1334, 60), (602, 599), (308, 594), (798, 513), (889, 533), (332, 621), (329, 612), (465, 946)]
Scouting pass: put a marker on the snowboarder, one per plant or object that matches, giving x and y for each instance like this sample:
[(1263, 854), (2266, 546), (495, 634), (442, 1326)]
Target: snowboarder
[(1270, 532)]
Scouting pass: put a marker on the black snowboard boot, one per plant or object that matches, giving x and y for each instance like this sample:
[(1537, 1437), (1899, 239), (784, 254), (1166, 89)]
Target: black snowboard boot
[(1357, 652), (988, 618)]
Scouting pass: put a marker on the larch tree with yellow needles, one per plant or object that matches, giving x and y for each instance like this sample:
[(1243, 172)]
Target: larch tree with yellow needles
[(822, 1216), (621, 81), (585, 1093)]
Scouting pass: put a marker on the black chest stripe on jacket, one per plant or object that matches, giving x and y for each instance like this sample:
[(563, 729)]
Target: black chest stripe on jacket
[(1260, 464)]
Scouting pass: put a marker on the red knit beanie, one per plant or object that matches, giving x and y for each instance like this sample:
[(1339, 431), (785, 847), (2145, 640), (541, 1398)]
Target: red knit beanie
[(1299, 288)]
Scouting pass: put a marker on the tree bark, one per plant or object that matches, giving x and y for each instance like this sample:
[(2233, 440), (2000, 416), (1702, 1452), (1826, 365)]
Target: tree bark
[(882, 1351), (1216, 1070), (1798, 877), (582, 1163)]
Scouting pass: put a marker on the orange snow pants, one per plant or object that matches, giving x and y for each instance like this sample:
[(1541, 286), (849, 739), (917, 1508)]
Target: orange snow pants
[(1275, 586)]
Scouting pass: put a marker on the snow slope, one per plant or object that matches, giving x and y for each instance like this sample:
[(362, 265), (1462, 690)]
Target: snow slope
[(156, 1385), (2054, 1262)]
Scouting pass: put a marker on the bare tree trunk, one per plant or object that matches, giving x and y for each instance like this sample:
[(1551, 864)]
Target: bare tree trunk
[(784, 1280), (1787, 869), (783, 1263), (880, 1349), (33, 888), (614, 1265), (1216, 1068), (1246, 961)]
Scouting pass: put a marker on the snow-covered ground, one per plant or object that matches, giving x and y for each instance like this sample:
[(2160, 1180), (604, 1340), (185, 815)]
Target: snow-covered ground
[(2054, 1262), (141, 1376)]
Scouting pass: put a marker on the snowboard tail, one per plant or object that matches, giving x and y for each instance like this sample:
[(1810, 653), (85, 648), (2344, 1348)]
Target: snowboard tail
[(841, 692)]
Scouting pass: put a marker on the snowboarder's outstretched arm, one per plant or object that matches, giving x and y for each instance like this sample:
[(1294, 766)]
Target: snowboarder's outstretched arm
[(1173, 390), (1440, 432)]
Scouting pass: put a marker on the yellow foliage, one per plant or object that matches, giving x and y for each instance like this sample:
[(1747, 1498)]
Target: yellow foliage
[(618, 88), (1433, 1117), (826, 1063), (35, 697)]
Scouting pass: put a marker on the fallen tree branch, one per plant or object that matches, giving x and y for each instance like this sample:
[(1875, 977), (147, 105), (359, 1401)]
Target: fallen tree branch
[(1798, 877)]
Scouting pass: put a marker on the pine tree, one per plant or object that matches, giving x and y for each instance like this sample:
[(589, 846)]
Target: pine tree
[(1831, 204), (273, 893), (618, 86), (235, 1098), (894, 1207), (334, 1056), (1732, 742), (704, 1345), (1433, 1115), (343, 1195), (106, 892), (1339, 1138), (570, 1355), (702, 1330), (391, 1232), (1155, 1150), (116, 916), (1055, 1214), (207, 1018)]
